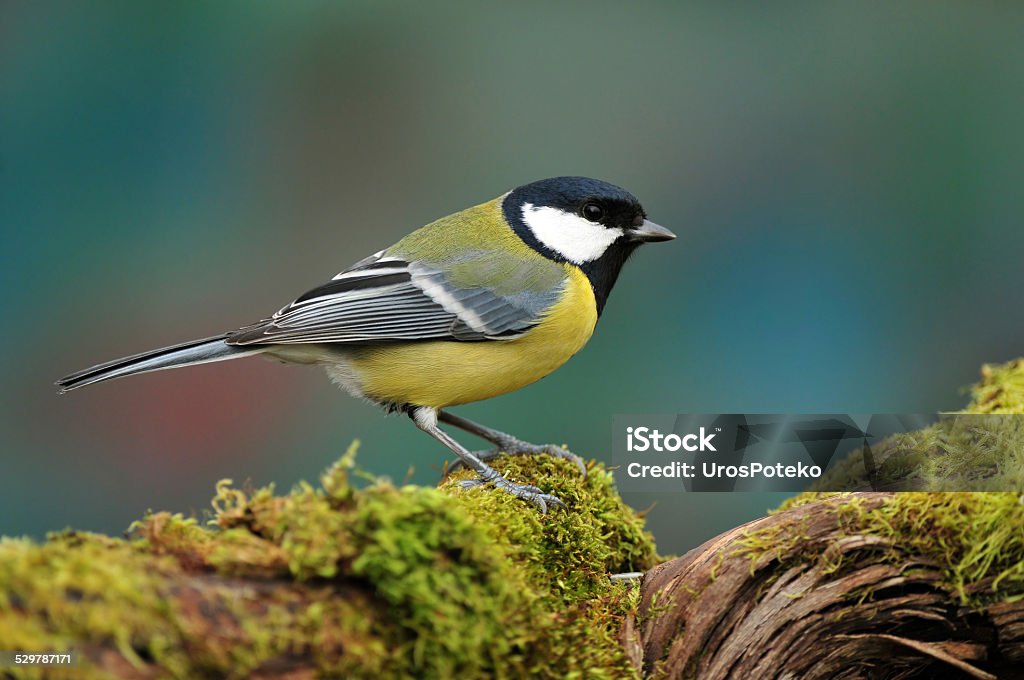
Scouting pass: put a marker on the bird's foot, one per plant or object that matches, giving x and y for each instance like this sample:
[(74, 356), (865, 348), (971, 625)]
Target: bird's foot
[(511, 446), (525, 491)]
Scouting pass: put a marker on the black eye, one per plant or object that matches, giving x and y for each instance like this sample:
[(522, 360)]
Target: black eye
[(592, 212)]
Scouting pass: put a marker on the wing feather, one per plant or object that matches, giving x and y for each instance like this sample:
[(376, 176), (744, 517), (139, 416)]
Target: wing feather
[(385, 298)]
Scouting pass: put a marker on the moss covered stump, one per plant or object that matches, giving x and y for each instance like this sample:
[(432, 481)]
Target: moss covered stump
[(379, 581), (866, 584)]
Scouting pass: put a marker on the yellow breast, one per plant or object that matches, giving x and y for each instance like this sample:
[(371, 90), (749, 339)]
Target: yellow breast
[(446, 373)]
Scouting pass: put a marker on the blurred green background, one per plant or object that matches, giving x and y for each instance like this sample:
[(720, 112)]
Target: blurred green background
[(845, 180)]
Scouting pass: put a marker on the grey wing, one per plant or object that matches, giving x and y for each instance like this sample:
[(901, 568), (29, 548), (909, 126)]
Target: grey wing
[(383, 298)]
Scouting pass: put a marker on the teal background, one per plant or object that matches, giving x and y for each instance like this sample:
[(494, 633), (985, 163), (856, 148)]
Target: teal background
[(845, 180)]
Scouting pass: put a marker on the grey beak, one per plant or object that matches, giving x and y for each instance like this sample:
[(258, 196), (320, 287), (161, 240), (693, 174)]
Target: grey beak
[(649, 232)]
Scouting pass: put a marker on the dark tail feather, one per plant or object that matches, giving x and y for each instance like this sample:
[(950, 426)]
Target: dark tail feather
[(186, 354)]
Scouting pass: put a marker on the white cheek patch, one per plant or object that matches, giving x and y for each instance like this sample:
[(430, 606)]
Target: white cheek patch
[(569, 235)]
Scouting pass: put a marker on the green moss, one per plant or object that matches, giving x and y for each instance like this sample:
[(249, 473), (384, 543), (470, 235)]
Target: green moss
[(976, 539), (80, 586), (570, 552), (976, 453), (1001, 389), (567, 555), (365, 582), (983, 452)]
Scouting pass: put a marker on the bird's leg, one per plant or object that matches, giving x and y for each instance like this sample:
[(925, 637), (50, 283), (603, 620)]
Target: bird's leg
[(426, 419), (506, 443)]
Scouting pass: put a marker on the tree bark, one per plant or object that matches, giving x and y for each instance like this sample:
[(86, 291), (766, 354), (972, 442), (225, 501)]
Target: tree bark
[(722, 612)]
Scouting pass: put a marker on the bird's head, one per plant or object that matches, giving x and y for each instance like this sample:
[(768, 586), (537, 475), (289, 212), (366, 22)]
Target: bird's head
[(578, 219)]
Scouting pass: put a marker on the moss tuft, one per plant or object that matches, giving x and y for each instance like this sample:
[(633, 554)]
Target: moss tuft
[(1001, 389), (984, 452), (570, 552)]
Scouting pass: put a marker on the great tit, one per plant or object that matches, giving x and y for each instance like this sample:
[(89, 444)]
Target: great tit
[(474, 305)]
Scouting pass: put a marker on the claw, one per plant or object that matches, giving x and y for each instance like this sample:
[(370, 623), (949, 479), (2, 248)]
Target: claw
[(524, 491), (516, 447)]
